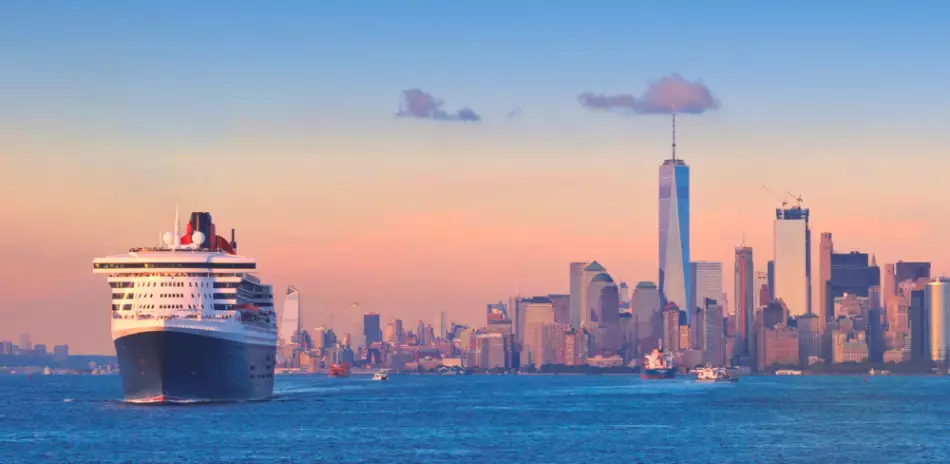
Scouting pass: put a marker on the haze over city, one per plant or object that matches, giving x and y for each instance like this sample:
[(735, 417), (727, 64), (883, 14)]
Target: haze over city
[(438, 159)]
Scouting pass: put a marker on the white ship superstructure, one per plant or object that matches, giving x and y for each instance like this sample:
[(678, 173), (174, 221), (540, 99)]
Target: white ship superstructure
[(190, 320)]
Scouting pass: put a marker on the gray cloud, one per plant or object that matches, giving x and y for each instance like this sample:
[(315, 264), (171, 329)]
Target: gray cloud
[(660, 98), (421, 105)]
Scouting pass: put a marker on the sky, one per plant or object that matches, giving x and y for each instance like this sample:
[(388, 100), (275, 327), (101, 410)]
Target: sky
[(418, 157)]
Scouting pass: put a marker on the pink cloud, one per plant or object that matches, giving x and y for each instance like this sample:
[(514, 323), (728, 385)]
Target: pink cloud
[(419, 104), (661, 97)]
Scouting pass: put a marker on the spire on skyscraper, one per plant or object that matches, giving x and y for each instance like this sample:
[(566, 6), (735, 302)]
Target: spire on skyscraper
[(674, 132)]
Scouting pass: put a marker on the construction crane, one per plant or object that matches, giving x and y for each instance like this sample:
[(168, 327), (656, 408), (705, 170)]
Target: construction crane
[(798, 198), (784, 199)]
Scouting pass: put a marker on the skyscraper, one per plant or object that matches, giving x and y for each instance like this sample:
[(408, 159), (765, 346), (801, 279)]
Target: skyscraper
[(562, 308), (911, 271), (851, 273), (713, 346), (938, 308), (889, 289), (586, 278), (825, 305), (706, 278), (538, 311), (744, 299), (671, 328), (421, 333), (674, 229), (792, 241), (602, 285), (646, 306), (577, 271), (919, 322), (762, 295), (371, 329), (443, 328), (290, 319)]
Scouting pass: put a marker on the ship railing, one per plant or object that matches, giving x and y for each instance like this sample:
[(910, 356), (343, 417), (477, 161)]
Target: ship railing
[(177, 250), (176, 274), (166, 317)]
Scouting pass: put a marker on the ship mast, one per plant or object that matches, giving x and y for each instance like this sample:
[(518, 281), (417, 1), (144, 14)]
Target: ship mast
[(177, 240)]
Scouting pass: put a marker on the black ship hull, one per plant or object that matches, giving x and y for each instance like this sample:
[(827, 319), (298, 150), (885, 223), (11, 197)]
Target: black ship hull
[(178, 367), (657, 374)]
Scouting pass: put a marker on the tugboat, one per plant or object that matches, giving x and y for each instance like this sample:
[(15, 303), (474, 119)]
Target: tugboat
[(340, 370), (715, 374), (658, 365)]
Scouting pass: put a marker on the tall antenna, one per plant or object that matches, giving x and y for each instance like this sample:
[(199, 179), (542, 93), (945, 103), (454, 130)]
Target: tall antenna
[(674, 132)]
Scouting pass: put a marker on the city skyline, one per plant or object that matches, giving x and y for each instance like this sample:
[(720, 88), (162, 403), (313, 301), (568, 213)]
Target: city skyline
[(100, 146)]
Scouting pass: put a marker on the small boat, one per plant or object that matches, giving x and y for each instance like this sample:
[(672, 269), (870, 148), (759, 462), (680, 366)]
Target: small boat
[(340, 370), (381, 375), (788, 372), (715, 374)]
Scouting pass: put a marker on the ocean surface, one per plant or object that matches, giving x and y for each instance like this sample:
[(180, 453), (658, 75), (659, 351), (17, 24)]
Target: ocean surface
[(488, 419)]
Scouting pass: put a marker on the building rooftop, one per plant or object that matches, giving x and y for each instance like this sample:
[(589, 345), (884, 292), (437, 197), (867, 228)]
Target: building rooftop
[(595, 267)]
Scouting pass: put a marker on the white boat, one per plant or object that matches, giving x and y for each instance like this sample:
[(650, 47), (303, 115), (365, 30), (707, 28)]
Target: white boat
[(381, 375), (788, 372), (715, 374)]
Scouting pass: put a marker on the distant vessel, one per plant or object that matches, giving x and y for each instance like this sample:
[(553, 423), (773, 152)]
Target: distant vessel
[(381, 375), (340, 370), (658, 365), (714, 374), (788, 372), (190, 321)]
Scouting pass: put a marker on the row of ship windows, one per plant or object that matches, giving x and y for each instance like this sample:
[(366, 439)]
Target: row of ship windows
[(217, 307), (114, 307), (129, 296), (168, 284), (174, 265)]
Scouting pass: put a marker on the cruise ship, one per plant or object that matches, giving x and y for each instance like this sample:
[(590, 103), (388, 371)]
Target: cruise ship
[(190, 320)]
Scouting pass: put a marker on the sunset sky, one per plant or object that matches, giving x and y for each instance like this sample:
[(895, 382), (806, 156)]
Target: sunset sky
[(289, 122)]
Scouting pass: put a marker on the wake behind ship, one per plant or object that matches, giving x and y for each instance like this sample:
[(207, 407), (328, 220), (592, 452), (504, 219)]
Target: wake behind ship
[(190, 320)]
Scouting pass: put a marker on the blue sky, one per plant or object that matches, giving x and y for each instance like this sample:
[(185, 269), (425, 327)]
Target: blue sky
[(205, 62)]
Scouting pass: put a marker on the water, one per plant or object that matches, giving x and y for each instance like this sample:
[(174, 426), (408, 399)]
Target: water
[(488, 419)]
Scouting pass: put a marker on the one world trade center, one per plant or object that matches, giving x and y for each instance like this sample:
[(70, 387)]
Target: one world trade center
[(674, 230)]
